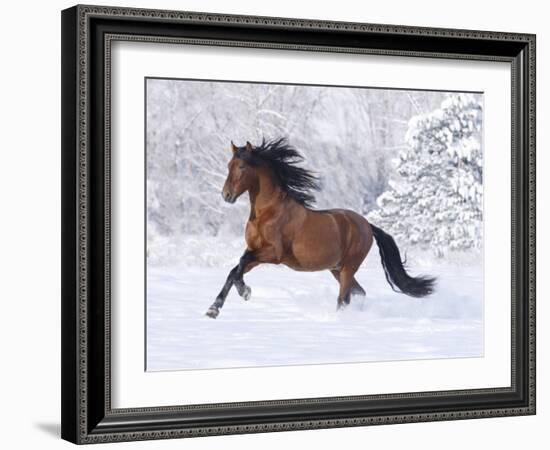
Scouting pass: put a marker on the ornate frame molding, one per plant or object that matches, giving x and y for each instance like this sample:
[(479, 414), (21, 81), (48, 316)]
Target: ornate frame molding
[(86, 422)]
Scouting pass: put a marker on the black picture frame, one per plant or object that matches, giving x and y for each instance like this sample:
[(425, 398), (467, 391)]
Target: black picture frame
[(87, 32)]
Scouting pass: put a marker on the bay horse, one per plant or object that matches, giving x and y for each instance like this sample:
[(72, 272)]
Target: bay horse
[(284, 229)]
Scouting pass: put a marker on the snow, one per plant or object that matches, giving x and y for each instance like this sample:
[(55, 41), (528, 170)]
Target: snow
[(291, 318)]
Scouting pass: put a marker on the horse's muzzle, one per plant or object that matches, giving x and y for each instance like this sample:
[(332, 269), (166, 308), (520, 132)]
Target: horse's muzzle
[(229, 198)]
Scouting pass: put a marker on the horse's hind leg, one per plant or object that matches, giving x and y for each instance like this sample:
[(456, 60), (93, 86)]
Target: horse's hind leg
[(346, 281), (355, 288)]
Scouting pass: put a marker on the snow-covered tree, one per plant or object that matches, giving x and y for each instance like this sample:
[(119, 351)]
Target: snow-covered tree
[(435, 200)]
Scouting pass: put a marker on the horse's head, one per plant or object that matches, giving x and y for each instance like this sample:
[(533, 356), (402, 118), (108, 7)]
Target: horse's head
[(241, 176)]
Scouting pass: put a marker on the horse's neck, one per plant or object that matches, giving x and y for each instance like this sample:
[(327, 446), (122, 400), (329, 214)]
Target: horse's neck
[(265, 196)]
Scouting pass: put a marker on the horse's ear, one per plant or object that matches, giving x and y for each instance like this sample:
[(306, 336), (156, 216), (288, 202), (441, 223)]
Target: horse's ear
[(249, 146), (234, 148)]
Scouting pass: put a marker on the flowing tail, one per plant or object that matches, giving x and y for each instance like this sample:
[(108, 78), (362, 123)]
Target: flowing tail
[(398, 278)]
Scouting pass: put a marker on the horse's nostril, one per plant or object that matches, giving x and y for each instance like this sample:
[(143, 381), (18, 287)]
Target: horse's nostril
[(226, 196)]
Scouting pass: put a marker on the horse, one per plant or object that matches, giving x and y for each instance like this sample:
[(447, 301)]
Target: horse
[(283, 228)]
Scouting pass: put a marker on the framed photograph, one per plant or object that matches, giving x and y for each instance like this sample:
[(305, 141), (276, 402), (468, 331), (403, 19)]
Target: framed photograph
[(279, 224)]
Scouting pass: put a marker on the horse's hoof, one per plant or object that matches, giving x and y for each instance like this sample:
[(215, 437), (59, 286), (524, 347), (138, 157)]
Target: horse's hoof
[(247, 293), (212, 312), (341, 306)]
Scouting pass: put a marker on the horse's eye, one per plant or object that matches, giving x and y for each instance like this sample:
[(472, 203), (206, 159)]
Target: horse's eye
[(242, 166)]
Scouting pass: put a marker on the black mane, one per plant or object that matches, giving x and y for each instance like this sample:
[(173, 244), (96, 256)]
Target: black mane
[(282, 158)]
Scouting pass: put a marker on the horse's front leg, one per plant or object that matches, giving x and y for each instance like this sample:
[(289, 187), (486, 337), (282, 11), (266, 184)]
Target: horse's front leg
[(214, 309), (249, 260), (235, 277), (242, 288)]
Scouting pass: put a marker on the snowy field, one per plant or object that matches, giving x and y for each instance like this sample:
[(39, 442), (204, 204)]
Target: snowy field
[(292, 318)]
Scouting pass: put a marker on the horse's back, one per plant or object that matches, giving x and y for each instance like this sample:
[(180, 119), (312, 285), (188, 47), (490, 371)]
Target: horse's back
[(346, 218)]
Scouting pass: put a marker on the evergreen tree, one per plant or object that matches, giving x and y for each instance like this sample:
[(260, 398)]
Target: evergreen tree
[(435, 201)]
